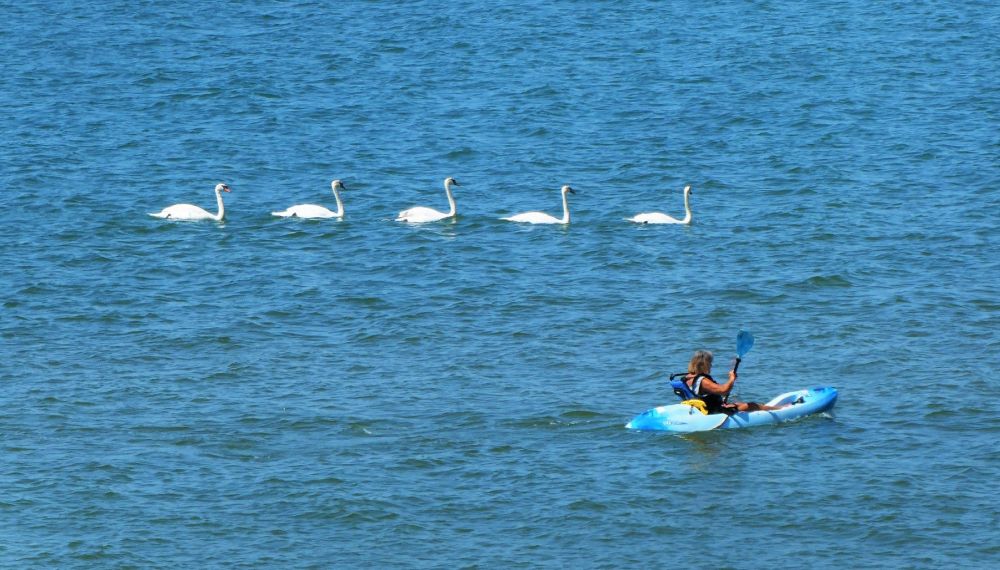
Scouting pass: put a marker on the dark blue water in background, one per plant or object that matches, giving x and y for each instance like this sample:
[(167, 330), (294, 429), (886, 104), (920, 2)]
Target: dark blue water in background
[(279, 393)]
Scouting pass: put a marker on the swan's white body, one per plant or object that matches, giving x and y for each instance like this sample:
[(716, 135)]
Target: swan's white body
[(190, 212), (421, 214), (314, 211), (542, 217), (658, 218)]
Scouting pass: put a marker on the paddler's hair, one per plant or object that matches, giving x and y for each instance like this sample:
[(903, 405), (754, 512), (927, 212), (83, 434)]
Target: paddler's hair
[(701, 362)]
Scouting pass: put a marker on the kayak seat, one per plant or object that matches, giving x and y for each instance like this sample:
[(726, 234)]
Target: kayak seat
[(682, 390)]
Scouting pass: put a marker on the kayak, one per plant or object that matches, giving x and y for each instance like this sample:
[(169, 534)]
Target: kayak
[(682, 418)]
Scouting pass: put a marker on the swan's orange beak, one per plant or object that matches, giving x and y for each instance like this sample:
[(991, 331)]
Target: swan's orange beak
[(226, 188)]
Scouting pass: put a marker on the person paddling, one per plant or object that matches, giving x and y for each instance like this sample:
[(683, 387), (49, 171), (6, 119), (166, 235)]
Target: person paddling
[(699, 380)]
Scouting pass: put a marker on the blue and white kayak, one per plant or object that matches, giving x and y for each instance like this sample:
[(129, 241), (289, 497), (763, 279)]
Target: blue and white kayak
[(682, 418)]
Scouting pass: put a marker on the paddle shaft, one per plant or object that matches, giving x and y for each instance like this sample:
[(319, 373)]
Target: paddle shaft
[(725, 399)]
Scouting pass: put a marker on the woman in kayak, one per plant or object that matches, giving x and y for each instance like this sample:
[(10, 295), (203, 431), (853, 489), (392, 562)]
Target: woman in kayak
[(699, 379)]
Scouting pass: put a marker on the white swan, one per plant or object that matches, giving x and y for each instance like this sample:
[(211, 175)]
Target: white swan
[(314, 211), (542, 217), (658, 218), (421, 214), (191, 212)]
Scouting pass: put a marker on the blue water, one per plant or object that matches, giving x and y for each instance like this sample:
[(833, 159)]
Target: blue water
[(283, 393)]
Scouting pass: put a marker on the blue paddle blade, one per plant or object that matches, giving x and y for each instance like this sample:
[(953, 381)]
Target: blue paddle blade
[(744, 342)]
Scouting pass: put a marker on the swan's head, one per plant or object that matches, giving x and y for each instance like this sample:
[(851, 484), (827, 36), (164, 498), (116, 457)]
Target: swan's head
[(337, 184), (567, 189), (451, 182), (687, 190), (222, 187)]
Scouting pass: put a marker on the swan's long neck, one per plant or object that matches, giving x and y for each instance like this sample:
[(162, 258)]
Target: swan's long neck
[(687, 205), (222, 209), (451, 199), (565, 219), (340, 205)]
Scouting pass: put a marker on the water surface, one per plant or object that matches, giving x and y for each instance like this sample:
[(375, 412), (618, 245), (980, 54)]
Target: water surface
[(265, 392)]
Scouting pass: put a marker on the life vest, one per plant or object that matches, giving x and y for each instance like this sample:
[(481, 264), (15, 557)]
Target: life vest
[(681, 387), (686, 395)]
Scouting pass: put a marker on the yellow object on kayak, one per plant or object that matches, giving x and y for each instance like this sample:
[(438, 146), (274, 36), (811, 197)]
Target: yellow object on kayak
[(698, 405)]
